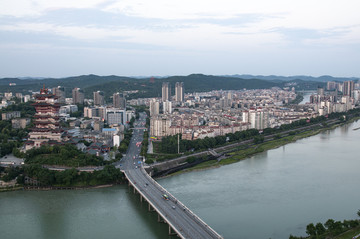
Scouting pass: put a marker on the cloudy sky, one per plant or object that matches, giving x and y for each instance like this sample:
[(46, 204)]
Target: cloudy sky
[(59, 38)]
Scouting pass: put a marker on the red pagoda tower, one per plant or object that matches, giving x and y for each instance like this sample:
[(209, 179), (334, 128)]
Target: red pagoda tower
[(47, 128)]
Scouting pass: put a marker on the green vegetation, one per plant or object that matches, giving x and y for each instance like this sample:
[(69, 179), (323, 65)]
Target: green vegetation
[(66, 178), (145, 144), (10, 173), (169, 144), (124, 144), (10, 138), (65, 155), (297, 100), (161, 157), (26, 109), (72, 177), (147, 87), (349, 234), (331, 229)]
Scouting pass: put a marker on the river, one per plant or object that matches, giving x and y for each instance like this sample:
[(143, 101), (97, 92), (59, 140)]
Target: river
[(306, 96), (270, 195)]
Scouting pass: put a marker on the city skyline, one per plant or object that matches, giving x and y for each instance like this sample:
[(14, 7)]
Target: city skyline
[(158, 38)]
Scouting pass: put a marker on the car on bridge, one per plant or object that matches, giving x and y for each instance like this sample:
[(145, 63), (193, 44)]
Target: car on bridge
[(166, 197)]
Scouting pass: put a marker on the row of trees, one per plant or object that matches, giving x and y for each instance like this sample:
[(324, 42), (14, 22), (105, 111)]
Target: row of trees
[(66, 155), (329, 229), (70, 177), (124, 144)]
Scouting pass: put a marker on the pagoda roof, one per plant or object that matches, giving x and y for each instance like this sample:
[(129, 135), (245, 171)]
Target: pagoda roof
[(46, 116), (58, 130), (48, 95), (45, 104), (46, 122)]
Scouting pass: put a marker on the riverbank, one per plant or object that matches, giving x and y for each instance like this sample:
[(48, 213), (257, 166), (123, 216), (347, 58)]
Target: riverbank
[(47, 188), (243, 153)]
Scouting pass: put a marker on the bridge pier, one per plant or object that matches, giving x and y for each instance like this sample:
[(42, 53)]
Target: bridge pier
[(171, 233), (141, 198), (160, 219), (150, 208)]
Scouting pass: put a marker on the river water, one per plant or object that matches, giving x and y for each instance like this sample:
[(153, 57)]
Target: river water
[(270, 195), (306, 96)]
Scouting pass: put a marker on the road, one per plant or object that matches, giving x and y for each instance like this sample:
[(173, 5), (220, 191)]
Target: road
[(182, 220)]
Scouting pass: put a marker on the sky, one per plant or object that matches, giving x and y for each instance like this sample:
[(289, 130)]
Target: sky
[(60, 38)]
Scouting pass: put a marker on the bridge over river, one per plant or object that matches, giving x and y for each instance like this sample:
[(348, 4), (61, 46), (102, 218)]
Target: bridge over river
[(181, 220)]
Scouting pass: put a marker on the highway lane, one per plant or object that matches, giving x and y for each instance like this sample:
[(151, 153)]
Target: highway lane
[(183, 220)]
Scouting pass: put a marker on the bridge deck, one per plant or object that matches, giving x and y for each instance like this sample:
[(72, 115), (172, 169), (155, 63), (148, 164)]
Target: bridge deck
[(180, 218)]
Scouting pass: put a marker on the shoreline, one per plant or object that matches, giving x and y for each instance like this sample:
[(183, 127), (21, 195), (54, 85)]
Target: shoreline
[(53, 188), (234, 157), (258, 149)]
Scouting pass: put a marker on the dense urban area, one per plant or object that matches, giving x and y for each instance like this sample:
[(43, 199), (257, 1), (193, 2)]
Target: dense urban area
[(50, 140)]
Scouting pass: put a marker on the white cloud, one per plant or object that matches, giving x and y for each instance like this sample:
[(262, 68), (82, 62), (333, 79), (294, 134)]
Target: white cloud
[(237, 28), (24, 8), (305, 13)]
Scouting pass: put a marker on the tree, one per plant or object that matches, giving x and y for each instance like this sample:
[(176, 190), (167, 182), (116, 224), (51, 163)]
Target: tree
[(320, 229), (258, 139), (358, 212), (311, 230)]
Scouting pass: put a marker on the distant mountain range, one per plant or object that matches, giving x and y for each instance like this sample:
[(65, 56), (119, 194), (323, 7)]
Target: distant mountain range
[(151, 86), (324, 78)]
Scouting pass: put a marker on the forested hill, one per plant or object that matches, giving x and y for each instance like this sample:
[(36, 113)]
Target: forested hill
[(147, 87)]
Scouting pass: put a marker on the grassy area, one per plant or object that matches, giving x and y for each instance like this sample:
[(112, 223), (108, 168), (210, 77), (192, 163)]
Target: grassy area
[(228, 161), (206, 164), (349, 234)]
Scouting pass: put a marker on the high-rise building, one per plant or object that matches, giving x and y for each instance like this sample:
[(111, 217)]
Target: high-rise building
[(166, 91), (331, 85), (119, 100), (154, 107), (348, 88), (160, 126), (320, 91), (78, 96), (99, 98), (46, 125), (258, 118), (167, 107), (179, 91), (60, 93)]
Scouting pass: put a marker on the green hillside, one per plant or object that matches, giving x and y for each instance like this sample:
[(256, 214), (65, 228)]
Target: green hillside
[(146, 87)]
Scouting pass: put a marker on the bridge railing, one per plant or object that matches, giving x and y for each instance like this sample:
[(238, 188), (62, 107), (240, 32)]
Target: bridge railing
[(165, 217), (198, 219)]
